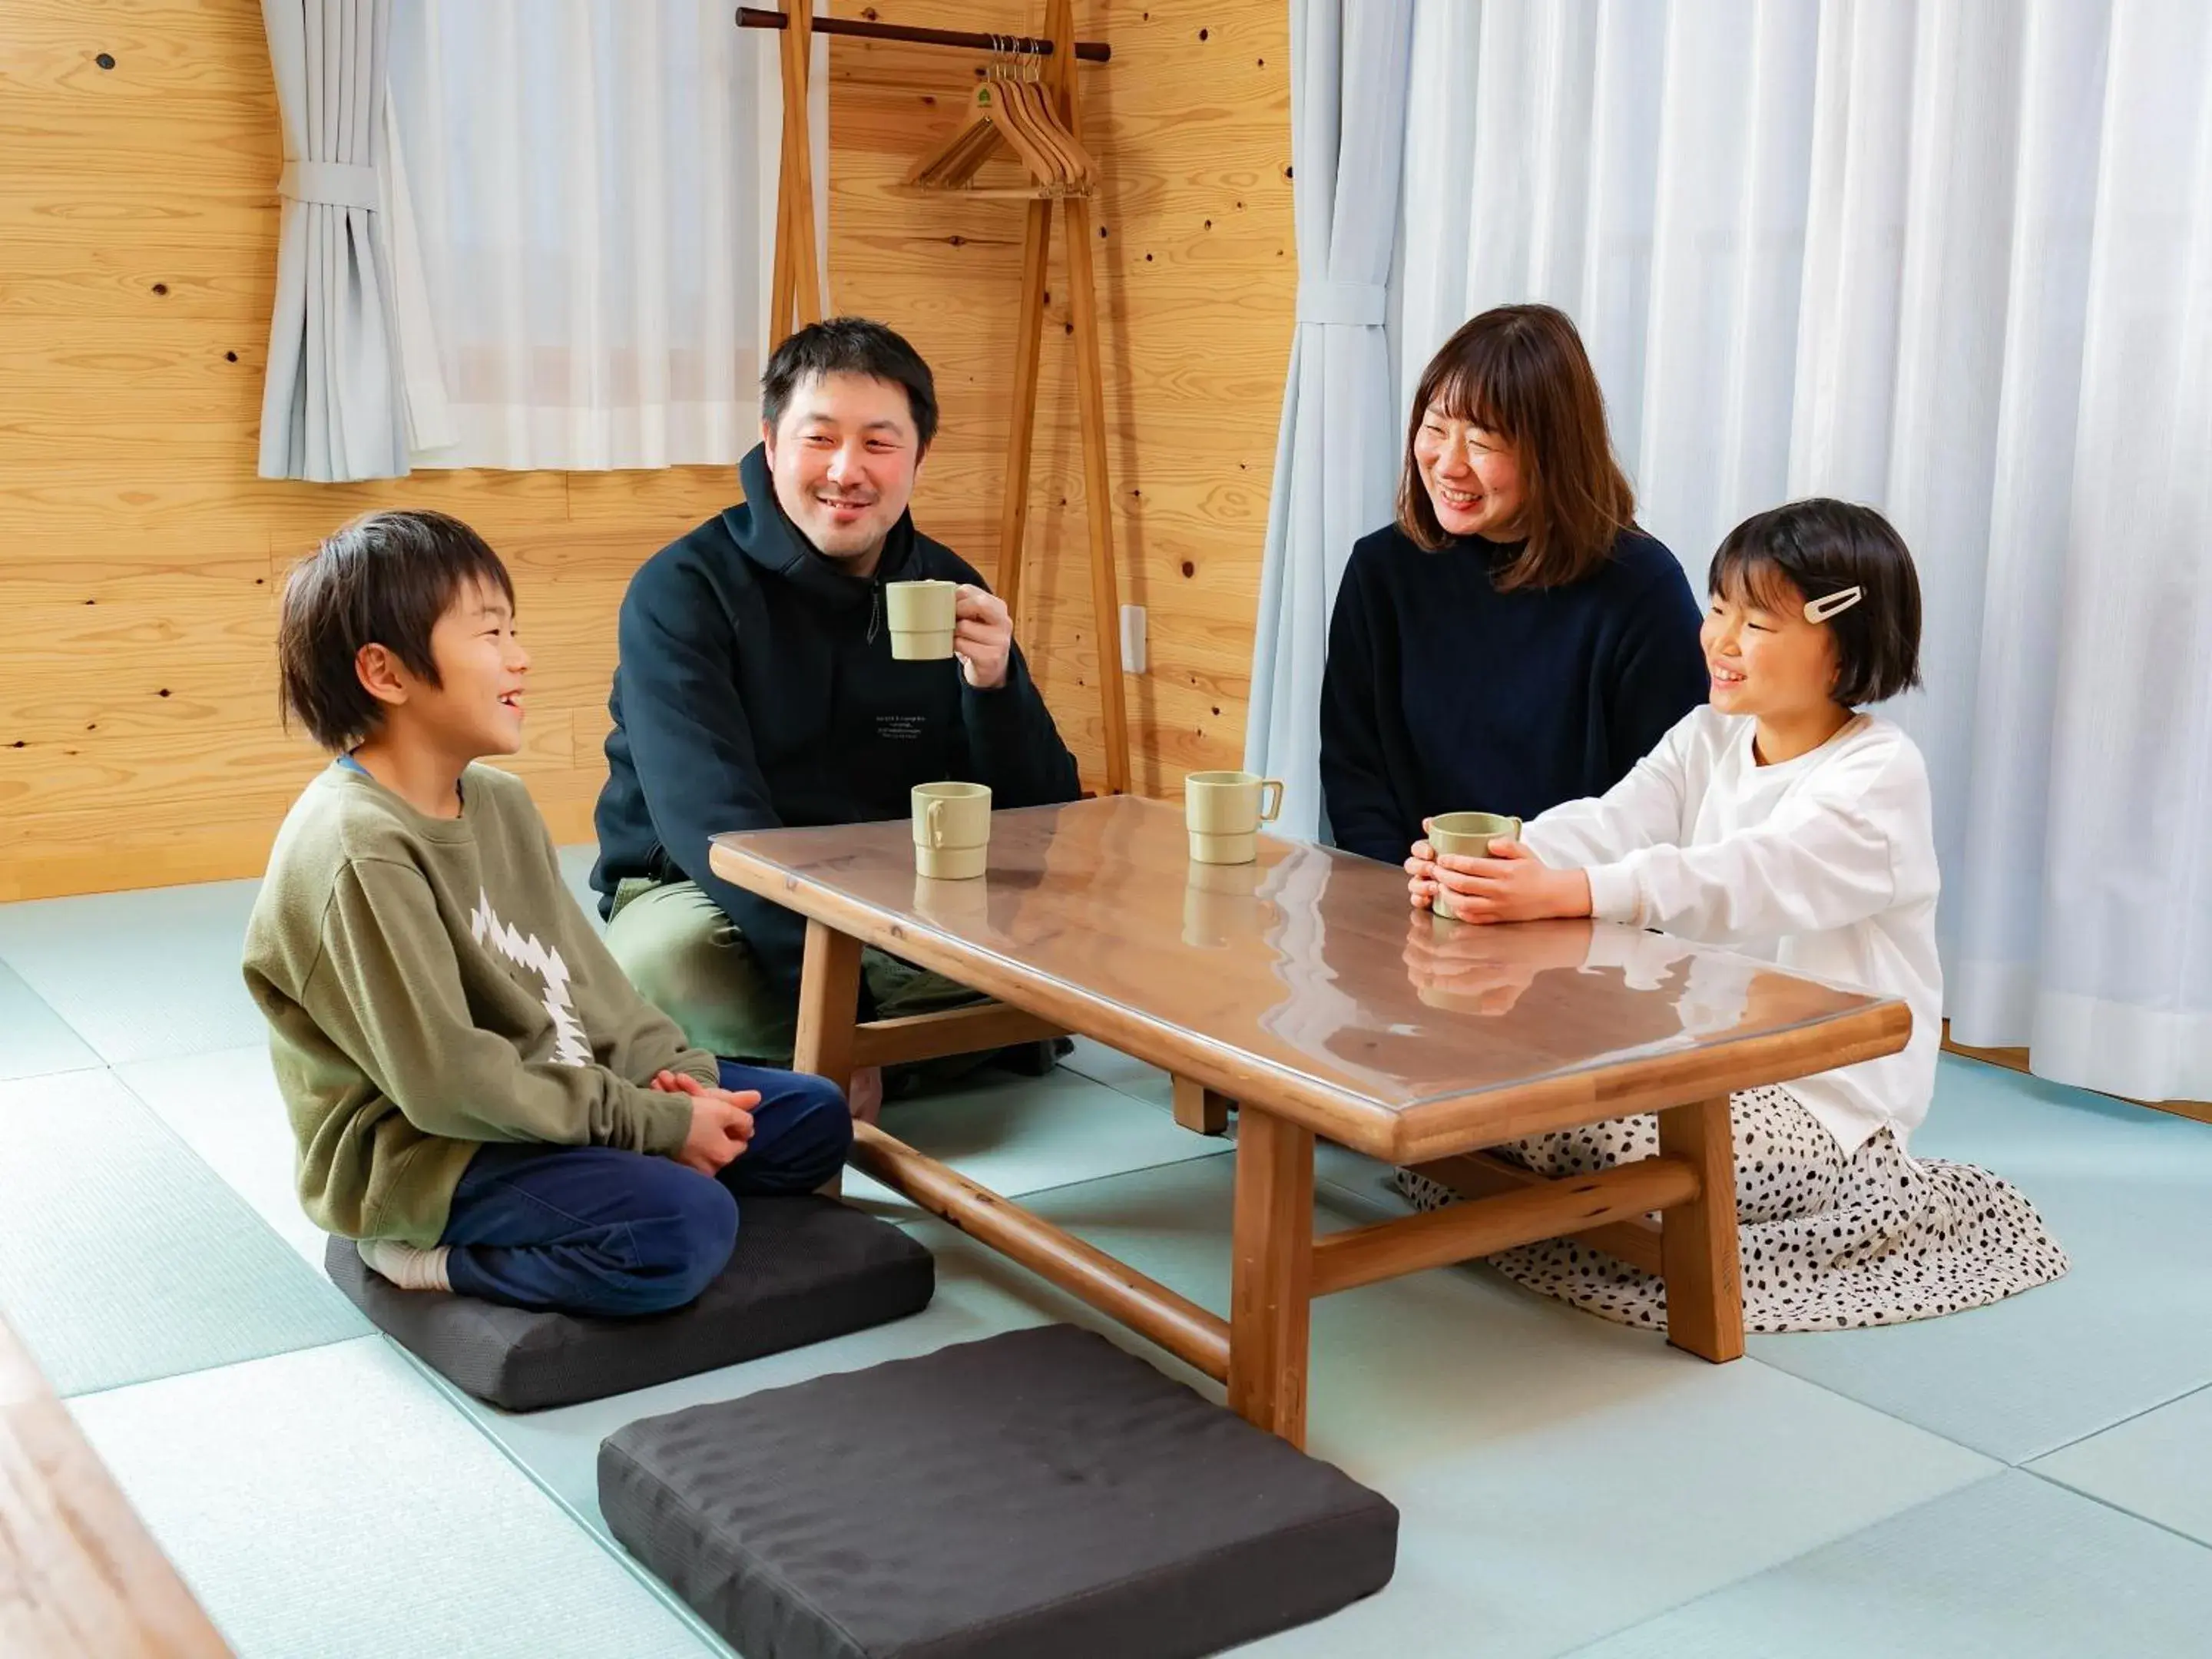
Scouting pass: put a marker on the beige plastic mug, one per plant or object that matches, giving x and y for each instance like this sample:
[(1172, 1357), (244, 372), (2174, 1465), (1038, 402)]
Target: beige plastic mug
[(951, 830), (921, 616), (1468, 835), (1223, 811)]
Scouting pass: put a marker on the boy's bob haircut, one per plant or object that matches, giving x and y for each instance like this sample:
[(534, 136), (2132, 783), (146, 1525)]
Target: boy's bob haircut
[(384, 580), (1790, 555)]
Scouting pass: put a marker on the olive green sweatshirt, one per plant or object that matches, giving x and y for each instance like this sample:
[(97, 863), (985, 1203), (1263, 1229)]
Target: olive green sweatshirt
[(431, 984)]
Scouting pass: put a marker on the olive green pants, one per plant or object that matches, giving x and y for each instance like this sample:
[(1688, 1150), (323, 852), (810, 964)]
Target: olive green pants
[(689, 960)]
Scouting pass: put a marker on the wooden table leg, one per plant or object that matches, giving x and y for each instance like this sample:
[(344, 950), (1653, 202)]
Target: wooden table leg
[(1698, 1240), (1272, 1287), (828, 1015), (829, 1004), (1201, 1109)]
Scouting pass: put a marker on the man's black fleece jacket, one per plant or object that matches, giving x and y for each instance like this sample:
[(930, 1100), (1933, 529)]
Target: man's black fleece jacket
[(756, 687)]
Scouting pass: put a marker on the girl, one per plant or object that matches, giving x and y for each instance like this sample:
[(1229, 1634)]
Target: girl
[(1782, 823)]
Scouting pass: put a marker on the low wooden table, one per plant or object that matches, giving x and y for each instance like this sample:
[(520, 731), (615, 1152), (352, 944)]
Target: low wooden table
[(1305, 990)]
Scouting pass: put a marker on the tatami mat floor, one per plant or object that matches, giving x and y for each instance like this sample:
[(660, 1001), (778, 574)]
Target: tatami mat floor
[(2025, 1480)]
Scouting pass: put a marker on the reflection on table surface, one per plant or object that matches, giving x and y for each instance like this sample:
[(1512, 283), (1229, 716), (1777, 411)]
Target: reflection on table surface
[(1309, 959)]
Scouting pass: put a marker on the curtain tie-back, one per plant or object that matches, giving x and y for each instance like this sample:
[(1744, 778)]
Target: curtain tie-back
[(1356, 305), (340, 184)]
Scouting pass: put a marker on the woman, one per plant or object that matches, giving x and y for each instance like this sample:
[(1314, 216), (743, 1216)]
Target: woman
[(1512, 640)]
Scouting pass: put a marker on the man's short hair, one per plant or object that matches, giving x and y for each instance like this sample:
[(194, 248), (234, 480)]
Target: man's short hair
[(850, 345), (384, 580)]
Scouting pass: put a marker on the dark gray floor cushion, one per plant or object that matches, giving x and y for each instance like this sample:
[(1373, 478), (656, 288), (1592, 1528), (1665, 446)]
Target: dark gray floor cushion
[(806, 1269), (1036, 1494)]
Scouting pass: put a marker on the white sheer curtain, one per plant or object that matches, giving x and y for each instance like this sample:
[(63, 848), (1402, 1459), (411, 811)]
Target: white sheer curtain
[(590, 192), (1335, 461), (1953, 259)]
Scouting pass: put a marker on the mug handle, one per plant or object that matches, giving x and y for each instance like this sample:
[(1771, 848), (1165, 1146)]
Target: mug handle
[(932, 825), (1270, 811)]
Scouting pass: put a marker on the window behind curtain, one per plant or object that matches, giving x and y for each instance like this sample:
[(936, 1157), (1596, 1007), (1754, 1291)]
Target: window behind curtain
[(592, 203)]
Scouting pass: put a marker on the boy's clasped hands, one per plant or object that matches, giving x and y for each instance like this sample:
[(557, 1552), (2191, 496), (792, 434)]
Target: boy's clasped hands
[(1511, 885), (721, 1122)]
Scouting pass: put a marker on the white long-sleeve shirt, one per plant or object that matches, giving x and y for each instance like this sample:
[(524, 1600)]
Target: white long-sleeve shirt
[(1824, 865)]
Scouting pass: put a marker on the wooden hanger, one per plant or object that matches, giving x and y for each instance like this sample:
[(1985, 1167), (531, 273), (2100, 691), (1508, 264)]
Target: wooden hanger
[(987, 131), (1029, 108), (953, 163), (1022, 131), (1076, 166), (1006, 114)]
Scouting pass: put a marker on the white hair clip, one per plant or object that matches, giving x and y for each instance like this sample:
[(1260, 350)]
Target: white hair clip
[(1833, 605)]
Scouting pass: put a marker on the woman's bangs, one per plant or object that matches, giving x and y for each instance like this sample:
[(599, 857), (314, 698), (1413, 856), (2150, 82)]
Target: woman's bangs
[(1467, 391)]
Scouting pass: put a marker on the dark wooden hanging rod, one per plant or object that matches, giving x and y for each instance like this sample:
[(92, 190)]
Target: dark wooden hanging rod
[(1086, 52)]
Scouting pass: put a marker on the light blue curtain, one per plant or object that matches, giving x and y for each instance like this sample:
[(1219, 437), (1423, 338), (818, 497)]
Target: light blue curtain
[(331, 405), (1336, 459)]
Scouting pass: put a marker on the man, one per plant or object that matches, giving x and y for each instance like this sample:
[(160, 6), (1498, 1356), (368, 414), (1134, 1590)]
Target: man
[(756, 687)]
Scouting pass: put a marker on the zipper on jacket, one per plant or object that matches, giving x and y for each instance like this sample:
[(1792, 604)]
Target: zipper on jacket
[(875, 607)]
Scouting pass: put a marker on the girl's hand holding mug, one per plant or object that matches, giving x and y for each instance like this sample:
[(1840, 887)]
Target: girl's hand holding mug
[(1511, 885)]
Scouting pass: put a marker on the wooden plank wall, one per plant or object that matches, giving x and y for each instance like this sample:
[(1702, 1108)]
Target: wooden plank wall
[(1197, 276), (140, 553)]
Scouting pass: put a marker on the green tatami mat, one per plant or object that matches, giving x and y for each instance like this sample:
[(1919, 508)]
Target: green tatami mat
[(1118, 1071), (140, 975), (2127, 1192), (332, 1504), (1018, 1135), (34, 1038), (2158, 1466), (2011, 1568), (224, 1105), (122, 1257)]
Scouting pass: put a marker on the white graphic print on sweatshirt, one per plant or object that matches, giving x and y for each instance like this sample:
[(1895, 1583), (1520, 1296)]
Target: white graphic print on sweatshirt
[(571, 1047)]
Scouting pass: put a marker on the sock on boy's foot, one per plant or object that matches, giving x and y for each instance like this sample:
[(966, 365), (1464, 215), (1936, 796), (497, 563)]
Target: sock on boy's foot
[(410, 1268)]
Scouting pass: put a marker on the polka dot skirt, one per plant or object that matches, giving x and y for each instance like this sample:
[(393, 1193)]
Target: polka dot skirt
[(1828, 1242)]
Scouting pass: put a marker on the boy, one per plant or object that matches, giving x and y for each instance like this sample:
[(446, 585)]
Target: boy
[(479, 1095)]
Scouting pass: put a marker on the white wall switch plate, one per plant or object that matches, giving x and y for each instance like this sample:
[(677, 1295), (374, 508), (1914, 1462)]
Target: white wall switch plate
[(1132, 639)]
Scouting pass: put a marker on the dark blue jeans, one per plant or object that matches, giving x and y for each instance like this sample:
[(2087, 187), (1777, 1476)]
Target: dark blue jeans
[(594, 1229)]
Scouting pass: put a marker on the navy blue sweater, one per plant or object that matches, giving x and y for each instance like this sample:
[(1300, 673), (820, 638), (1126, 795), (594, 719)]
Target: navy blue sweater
[(1442, 695), (756, 687)]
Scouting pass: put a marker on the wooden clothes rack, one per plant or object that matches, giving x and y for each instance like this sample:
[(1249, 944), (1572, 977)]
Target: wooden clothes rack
[(797, 298)]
